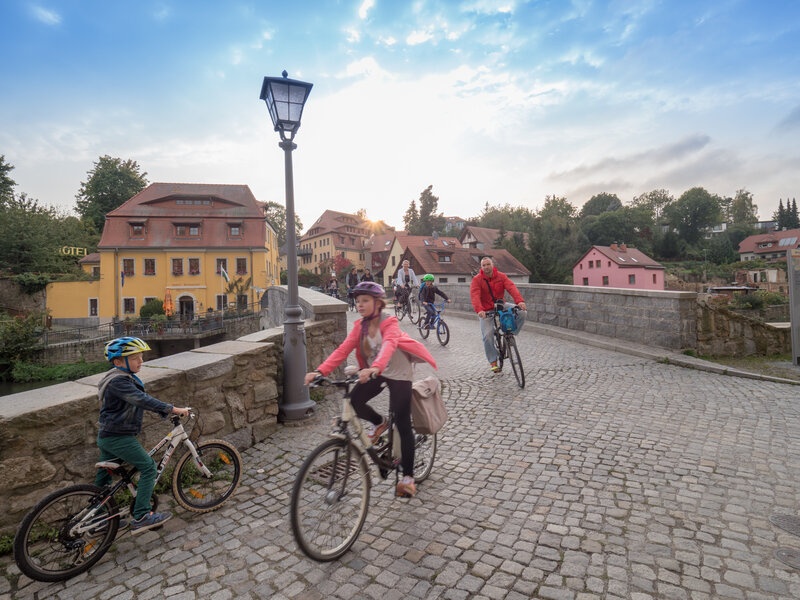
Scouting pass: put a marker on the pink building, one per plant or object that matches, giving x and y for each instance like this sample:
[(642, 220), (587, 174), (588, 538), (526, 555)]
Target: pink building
[(618, 267)]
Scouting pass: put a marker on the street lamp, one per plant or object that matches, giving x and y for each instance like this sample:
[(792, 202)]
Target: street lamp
[(285, 99)]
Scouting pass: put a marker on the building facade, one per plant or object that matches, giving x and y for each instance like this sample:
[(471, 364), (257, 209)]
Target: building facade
[(618, 266), (769, 247), (204, 246), (333, 234)]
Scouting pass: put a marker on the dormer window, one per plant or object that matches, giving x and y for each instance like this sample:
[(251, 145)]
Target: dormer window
[(187, 230), (235, 230), (137, 230), (444, 258)]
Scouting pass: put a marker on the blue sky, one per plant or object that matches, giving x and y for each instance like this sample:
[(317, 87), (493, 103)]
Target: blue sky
[(487, 100)]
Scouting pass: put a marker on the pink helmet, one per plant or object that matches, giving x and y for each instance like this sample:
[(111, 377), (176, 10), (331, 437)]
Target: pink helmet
[(369, 288)]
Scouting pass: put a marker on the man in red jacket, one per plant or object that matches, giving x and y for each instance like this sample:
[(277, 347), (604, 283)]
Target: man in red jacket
[(488, 286)]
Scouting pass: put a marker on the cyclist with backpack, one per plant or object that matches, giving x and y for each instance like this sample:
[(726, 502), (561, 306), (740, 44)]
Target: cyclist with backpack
[(427, 294), (386, 356), (486, 291)]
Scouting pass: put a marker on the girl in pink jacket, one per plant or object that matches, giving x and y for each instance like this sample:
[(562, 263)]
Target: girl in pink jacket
[(385, 356)]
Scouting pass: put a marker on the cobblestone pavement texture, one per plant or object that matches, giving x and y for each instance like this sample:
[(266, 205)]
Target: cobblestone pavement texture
[(608, 476)]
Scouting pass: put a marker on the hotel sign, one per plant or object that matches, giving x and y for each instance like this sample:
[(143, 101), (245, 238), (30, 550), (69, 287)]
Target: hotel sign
[(72, 251)]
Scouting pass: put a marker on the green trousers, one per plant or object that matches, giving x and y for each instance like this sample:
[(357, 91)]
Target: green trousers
[(128, 448)]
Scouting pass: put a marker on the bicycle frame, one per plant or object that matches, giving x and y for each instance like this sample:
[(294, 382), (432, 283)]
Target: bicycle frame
[(439, 309), (172, 441)]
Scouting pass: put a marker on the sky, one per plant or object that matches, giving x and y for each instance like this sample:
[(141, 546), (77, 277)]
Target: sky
[(488, 101)]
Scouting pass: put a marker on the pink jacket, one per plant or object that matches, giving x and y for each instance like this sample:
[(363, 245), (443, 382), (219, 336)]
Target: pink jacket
[(393, 339)]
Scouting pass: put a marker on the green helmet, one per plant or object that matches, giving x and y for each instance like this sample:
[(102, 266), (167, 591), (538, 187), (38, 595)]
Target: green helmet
[(427, 277)]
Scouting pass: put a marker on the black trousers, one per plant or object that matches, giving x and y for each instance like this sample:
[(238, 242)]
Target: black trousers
[(399, 404)]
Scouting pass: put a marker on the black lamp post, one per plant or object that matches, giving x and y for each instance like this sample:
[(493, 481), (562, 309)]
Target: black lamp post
[(285, 99)]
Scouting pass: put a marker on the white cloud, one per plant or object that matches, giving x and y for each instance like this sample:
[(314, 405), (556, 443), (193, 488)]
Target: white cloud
[(489, 7), (353, 36), (418, 37), (365, 66), (48, 17), (364, 9), (387, 41)]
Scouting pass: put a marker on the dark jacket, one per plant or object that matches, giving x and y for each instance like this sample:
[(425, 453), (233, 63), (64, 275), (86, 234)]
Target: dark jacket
[(428, 293), (366, 277), (123, 404), (352, 280)]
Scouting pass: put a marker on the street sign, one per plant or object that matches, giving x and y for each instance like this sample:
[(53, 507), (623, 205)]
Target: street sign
[(793, 270)]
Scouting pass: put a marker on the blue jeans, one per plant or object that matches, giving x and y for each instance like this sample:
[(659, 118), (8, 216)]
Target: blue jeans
[(431, 313), (487, 331)]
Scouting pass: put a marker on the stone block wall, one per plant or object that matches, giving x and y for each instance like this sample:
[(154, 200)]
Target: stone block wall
[(723, 332), (657, 318), (47, 435)]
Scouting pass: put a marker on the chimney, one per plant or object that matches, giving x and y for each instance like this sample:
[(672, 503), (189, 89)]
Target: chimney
[(435, 235), (622, 247), (613, 247)]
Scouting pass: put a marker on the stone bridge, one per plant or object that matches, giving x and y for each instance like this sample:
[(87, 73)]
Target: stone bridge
[(613, 474)]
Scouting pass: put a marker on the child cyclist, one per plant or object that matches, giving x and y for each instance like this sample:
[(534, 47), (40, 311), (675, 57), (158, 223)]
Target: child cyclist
[(123, 402), (385, 356), (427, 294)]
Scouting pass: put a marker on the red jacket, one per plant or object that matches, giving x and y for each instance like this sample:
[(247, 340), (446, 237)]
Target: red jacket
[(500, 284), (393, 339)]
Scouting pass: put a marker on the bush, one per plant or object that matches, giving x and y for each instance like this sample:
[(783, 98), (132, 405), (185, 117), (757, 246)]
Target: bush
[(24, 372), (748, 301), (30, 283), (772, 298), (153, 307), (20, 337)]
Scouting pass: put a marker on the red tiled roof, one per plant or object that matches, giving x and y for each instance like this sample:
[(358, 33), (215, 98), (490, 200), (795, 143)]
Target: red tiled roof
[(94, 257), (750, 244), (212, 206), (335, 221), (487, 236), (428, 241), (463, 261), (625, 256)]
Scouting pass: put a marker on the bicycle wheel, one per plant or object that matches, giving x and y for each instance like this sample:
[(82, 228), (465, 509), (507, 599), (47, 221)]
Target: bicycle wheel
[(199, 493), (500, 347), (414, 311), (424, 453), (399, 310), (330, 499), (423, 330), (443, 332), (53, 544), (513, 357)]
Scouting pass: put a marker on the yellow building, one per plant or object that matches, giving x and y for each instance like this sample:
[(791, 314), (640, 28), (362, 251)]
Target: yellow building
[(333, 234), (192, 242)]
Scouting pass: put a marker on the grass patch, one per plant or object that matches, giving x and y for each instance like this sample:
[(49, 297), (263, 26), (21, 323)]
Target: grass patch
[(6, 544), (777, 365), (25, 372)]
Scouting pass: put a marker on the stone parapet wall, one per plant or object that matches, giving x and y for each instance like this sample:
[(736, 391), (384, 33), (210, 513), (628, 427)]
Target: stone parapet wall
[(14, 300), (657, 318), (47, 435), (723, 332)]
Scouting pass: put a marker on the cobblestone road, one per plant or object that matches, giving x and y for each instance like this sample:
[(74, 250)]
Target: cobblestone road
[(608, 476)]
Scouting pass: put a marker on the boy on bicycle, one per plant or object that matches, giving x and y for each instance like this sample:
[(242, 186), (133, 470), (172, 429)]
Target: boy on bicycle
[(427, 294), (123, 402), (487, 289)]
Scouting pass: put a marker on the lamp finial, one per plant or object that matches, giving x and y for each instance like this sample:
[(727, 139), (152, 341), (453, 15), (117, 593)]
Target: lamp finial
[(285, 74)]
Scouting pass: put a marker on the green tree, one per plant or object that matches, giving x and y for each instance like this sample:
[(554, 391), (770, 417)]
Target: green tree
[(600, 203), (6, 183), (779, 216), (793, 220), (275, 214), (631, 225), (720, 250), (510, 218), (692, 213), (556, 242), (655, 201), (742, 209), (411, 218), (26, 230), (429, 219), (111, 182), (19, 338)]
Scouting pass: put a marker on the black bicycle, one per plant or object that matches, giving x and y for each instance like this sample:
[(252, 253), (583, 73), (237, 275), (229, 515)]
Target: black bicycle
[(407, 304), (351, 300), (437, 323), (330, 497), (504, 340), (71, 529)]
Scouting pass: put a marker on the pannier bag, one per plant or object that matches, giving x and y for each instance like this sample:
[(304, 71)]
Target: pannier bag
[(507, 321), (427, 406)]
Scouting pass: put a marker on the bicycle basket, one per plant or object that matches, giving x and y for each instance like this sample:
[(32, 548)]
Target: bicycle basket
[(507, 321)]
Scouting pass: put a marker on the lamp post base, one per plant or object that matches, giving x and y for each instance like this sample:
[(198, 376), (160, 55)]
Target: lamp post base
[(296, 402)]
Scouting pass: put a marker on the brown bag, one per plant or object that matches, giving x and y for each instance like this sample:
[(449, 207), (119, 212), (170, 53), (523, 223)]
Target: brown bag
[(427, 406)]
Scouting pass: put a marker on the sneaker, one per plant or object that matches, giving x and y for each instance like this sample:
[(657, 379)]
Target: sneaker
[(149, 521), (406, 488), (494, 367), (376, 431)]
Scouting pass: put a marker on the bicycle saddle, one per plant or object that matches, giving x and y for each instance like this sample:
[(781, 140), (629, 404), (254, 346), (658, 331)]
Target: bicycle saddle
[(109, 464)]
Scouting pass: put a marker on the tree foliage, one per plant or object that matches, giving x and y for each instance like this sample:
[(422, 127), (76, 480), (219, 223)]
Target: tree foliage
[(655, 201), (556, 242), (275, 215), (110, 183), (19, 338), (506, 217), (425, 220), (6, 183), (787, 218), (692, 213), (599, 204), (742, 209)]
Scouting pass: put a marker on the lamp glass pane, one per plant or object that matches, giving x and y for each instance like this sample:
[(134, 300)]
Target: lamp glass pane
[(280, 91), (297, 94)]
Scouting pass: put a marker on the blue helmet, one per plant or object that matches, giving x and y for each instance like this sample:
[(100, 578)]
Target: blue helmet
[(124, 346)]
